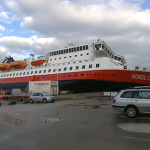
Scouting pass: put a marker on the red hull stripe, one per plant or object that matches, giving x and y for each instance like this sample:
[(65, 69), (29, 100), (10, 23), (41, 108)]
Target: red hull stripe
[(129, 76)]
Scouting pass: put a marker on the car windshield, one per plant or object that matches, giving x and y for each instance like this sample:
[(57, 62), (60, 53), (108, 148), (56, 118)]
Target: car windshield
[(46, 94)]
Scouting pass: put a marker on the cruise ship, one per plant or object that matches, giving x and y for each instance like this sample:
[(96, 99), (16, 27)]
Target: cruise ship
[(78, 69)]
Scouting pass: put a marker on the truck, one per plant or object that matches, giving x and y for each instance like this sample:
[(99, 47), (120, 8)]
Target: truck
[(17, 94)]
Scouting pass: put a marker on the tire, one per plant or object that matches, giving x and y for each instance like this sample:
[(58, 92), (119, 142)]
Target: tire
[(31, 101), (131, 111), (45, 100)]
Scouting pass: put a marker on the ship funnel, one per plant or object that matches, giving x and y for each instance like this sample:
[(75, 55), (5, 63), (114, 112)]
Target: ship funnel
[(32, 54)]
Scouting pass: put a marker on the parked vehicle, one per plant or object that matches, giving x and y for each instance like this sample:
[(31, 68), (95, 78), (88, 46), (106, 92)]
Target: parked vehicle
[(132, 101), (41, 97), (17, 94)]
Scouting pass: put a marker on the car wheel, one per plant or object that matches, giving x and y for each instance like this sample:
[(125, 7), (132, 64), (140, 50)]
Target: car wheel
[(131, 111), (45, 100), (31, 101)]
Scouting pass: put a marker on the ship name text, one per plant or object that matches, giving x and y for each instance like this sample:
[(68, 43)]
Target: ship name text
[(140, 77)]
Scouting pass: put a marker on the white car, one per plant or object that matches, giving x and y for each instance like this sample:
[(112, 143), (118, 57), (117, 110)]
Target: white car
[(41, 97), (132, 101)]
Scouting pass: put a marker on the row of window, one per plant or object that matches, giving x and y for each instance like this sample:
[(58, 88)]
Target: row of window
[(64, 51), (136, 68), (47, 77), (136, 94), (44, 71), (69, 56)]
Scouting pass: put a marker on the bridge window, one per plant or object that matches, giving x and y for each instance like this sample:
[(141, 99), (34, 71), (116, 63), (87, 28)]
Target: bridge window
[(86, 46), (80, 48)]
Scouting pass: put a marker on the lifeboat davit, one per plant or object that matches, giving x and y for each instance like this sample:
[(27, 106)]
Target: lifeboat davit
[(18, 64), (38, 62), (4, 66)]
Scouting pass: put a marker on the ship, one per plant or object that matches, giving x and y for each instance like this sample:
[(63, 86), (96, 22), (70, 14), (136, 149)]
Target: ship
[(92, 67)]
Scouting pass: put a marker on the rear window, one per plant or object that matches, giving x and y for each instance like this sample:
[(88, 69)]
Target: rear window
[(127, 94)]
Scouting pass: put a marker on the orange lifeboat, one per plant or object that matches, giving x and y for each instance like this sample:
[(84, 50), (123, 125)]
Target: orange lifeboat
[(18, 64), (38, 62), (4, 66)]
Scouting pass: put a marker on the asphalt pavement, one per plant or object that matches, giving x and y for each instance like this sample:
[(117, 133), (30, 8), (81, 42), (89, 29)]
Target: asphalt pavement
[(89, 124)]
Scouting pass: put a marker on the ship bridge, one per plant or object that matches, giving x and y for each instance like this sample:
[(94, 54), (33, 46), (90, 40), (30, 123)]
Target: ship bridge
[(102, 50)]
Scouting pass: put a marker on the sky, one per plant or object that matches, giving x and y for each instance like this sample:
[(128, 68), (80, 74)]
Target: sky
[(40, 26)]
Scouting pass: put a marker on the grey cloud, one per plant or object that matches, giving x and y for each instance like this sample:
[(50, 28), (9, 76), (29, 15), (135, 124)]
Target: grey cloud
[(121, 24)]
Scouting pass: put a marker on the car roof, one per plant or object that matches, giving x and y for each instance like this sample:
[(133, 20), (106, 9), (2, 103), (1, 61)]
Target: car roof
[(136, 89)]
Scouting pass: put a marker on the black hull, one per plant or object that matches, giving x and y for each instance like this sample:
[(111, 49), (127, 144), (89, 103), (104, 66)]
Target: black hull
[(84, 86)]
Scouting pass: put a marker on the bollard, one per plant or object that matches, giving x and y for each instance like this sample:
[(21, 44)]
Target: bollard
[(12, 101), (25, 100)]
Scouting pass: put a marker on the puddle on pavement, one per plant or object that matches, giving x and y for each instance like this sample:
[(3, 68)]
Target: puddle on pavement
[(135, 127), (7, 119), (52, 120)]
